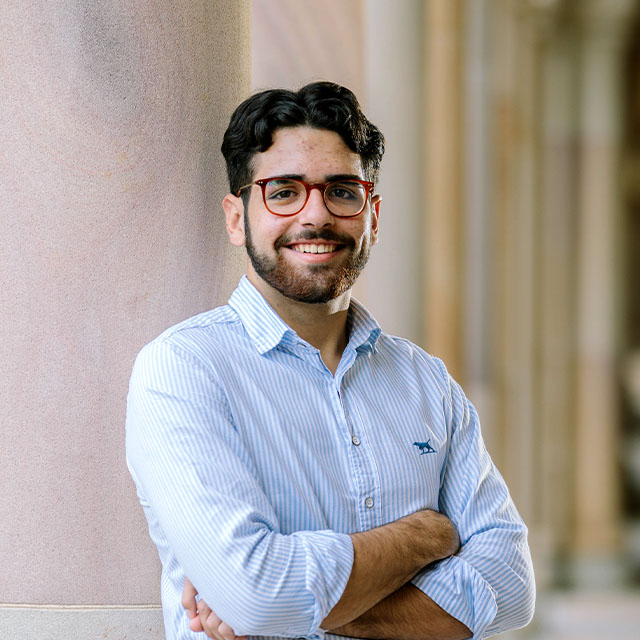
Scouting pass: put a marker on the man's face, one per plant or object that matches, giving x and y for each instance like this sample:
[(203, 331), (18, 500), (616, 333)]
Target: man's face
[(312, 256)]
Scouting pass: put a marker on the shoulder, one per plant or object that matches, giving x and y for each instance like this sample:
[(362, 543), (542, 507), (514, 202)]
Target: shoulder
[(200, 340), (403, 353), (208, 322)]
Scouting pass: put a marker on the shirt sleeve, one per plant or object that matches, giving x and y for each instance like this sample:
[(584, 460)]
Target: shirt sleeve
[(489, 584), (191, 466)]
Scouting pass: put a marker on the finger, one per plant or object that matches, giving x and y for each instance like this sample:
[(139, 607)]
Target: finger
[(204, 611), (210, 624), (195, 624), (227, 632), (189, 598)]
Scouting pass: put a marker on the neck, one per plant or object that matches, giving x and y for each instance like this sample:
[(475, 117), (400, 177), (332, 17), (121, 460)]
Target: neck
[(323, 325)]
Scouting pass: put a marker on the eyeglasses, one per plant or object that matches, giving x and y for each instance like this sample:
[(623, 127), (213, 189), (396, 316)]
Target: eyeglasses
[(288, 196)]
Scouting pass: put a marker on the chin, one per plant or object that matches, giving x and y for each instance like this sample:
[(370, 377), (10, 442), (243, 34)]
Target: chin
[(317, 284), (309, 292)]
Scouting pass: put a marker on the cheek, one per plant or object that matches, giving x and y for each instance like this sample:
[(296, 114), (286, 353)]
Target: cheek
[(366, 234), (263, 223), (268, 231)]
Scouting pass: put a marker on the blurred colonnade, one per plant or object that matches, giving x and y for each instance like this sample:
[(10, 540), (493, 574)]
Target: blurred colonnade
[(509, 242)]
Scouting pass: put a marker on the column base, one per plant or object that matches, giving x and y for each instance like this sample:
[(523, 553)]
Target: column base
[(51, 622)]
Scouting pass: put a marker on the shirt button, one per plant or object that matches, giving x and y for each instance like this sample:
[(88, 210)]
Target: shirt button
[(355, 440), (369, 503)]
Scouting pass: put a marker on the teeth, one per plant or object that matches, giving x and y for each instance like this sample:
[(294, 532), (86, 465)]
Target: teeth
[(315, 248)]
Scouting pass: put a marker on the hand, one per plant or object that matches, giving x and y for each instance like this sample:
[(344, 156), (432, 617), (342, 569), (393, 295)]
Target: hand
[(201, 618)]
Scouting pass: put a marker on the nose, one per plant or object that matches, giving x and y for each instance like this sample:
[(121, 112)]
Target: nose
[(315, 212)]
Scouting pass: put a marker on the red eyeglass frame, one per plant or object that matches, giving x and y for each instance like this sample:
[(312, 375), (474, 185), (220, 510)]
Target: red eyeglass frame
[(321, 186)]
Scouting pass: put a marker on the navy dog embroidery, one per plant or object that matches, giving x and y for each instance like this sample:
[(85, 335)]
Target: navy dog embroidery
[(425, 447)]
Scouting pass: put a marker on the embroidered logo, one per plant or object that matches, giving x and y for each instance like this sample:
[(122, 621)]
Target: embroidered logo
[(425, 447)]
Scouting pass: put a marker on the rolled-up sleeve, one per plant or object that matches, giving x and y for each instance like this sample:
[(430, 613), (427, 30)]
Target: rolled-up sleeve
[(192, 469), (489, 585)]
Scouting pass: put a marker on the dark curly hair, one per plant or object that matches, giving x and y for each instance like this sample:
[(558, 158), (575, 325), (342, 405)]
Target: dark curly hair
[(321, 105)]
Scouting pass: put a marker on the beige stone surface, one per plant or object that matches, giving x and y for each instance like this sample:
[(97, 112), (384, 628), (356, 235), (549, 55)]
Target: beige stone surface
[(599, 268), (111, 118), (443, 183), (391, 284), (85, 623)]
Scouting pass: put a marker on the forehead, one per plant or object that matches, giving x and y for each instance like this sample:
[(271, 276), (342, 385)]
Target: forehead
[(307, 152)]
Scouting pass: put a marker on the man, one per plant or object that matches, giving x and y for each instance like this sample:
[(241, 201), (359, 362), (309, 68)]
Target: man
[(301, 471)]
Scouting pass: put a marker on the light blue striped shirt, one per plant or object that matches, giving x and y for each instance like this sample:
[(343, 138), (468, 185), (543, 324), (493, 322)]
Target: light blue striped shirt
[(253, 462)]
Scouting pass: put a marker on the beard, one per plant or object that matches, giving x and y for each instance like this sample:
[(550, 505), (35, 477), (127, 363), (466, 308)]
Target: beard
[(314, 283)]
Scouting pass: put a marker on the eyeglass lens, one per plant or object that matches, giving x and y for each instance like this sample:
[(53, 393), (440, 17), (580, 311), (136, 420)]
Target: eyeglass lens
[(288, 196)]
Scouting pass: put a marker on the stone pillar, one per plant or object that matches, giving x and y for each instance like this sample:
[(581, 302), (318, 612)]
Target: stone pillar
[(515, 112), (597, 526), (442, 240), (556, 309), (111, 118), (478, 308), (390, 285)]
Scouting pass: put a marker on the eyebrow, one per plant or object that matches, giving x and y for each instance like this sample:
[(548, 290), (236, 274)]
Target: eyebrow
[(334, 177), (343, 176)]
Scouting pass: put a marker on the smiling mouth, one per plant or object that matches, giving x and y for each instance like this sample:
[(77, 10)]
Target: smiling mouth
[(315, 248)]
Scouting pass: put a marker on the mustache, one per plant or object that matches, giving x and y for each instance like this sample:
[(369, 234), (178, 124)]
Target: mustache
[(325, 234)]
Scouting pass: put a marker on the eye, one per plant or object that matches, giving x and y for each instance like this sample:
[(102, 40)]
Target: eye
[(282, 190), (282, 194), (345, 191)]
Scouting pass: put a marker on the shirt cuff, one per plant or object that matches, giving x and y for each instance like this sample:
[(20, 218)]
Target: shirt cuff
[(330, 559), (458, 588)]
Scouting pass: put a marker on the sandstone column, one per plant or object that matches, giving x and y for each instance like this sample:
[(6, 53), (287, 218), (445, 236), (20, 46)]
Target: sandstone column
[(515, 130), (597, 526), (111, 117), (391, 284), (476, 170), (443, 184), (556, 314)]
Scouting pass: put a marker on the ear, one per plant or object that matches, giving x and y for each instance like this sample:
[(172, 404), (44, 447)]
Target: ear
[(234, 212), (375, 215)]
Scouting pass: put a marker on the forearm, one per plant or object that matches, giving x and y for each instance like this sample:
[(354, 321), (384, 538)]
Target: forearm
[(388, 557), (406, 614)]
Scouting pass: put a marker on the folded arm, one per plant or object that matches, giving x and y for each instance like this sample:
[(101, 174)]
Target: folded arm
[(489, 584), (377, 601), (387, 557), (406, 614)]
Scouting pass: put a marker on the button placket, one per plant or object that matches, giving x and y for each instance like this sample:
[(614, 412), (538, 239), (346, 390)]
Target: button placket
[(368, 488)]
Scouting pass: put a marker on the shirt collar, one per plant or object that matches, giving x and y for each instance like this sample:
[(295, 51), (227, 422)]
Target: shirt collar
[(267, 329), (364, 329)]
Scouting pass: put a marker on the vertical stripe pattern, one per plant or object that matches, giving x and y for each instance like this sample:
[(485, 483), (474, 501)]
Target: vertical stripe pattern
[(253, 462)]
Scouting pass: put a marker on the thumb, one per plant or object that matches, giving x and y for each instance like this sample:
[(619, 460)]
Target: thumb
[(189, 598)]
